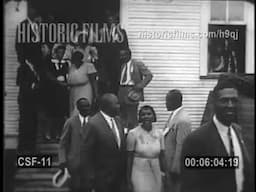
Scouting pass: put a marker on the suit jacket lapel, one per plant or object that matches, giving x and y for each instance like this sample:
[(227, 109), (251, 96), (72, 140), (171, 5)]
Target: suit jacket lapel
[(219, 146), (108, 128), (77, 123), (84, 130), (172, 121), (245, 152), (121, 133)]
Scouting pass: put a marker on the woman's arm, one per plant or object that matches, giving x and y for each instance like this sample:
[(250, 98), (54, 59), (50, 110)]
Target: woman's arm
[(163, 164), (130, 158), (93, 81), (130, 147)]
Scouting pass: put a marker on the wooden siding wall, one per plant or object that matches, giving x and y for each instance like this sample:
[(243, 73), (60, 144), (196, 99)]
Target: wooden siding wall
[(175, 63), (11, 115)]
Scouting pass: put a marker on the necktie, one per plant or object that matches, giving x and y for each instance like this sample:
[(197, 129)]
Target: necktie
[(84, 122), (124, 76), (231, 147), (114, 131)]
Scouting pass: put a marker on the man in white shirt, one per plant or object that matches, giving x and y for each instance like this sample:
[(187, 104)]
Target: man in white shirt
[(221, 138), (134, 77)]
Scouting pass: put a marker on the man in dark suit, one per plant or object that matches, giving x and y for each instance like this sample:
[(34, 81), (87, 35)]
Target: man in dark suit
[(57, 75), (134, 76), (219, 137), (114, 38), (177, 128), (104, 144), (74, 130), (27, 80)]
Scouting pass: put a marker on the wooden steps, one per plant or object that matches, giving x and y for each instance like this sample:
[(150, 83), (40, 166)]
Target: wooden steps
[(39, 179)]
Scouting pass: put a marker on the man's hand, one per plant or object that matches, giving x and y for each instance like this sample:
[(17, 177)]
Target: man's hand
[(63, 165), (61, 78), (138, 87)]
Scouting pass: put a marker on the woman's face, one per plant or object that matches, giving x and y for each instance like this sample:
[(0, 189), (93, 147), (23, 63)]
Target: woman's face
[(77, 62), (147, 116)]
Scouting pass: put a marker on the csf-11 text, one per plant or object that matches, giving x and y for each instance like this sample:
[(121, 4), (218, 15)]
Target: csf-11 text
[(34, 161)]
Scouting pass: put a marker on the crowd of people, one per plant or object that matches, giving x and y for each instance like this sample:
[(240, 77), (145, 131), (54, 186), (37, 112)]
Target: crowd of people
[(100, 156), (92, 93), (53, 76)]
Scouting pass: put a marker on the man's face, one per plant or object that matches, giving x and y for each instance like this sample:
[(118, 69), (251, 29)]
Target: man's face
[(84, 107), (114, 106), (60, 53), (226, 105), (170, 102), (124, 56)]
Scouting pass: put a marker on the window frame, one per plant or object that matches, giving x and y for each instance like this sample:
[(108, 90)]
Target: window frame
[(249, 33)]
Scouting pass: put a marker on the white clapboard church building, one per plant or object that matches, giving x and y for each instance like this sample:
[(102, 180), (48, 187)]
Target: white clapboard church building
[(172, 38)]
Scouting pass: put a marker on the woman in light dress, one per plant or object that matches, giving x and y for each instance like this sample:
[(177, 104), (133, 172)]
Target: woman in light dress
[(82, 80), (146, 162)]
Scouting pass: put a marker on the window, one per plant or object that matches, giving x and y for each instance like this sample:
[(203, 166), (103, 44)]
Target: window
[(229, 46)]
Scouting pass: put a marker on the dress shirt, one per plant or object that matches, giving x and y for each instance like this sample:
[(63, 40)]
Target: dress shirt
[(223, 131), (172, 114), (82, 119), (115, 129), (128, 69), (57, 63)]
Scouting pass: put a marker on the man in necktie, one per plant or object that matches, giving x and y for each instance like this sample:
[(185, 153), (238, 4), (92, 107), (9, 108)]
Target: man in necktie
[(73, 133), (105, 145), (135, 76), (56, 74), (219, 137), (177, 128)]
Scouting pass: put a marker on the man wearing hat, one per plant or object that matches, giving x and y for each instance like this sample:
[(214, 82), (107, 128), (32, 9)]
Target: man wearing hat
[(70, 142)]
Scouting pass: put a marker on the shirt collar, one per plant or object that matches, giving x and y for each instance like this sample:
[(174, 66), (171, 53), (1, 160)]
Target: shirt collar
[(107, 117), (81, 118), (59, 61), (222, 129), (174, 112), (129, 62)]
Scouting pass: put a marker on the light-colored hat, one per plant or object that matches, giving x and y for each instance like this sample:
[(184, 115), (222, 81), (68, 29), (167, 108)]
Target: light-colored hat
[(60, 178)]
